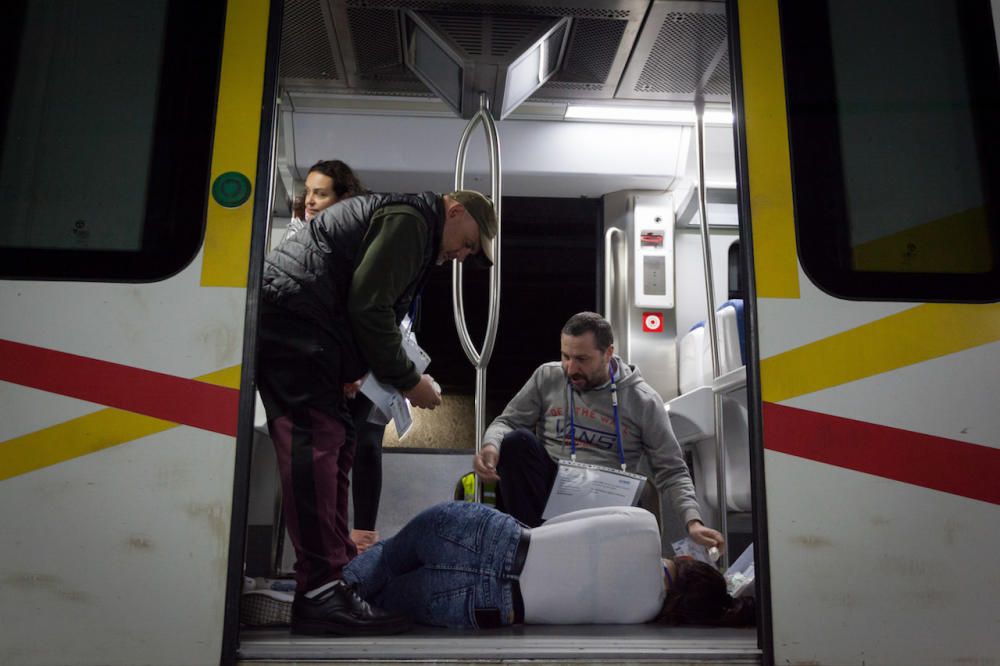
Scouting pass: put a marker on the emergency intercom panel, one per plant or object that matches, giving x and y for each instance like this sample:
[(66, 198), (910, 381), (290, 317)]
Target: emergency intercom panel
[(653, 252)]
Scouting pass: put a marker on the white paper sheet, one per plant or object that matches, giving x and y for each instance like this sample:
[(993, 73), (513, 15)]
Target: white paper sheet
[(582, 486), (386, 399)]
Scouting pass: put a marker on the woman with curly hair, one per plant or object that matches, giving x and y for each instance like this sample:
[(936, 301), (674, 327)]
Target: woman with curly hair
[(327, 182)]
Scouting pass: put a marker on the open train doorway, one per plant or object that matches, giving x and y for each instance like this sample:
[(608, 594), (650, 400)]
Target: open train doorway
[(607, 137)]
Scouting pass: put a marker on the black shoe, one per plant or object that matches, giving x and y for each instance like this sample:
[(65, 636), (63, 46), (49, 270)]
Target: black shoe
[(340, 610)]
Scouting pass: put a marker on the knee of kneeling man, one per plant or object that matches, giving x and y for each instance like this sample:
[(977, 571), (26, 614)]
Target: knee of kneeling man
[(518, 440)]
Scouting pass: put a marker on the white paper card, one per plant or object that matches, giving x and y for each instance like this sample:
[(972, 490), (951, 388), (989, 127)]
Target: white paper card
[(400, 411), (386, 399), (581, 486)]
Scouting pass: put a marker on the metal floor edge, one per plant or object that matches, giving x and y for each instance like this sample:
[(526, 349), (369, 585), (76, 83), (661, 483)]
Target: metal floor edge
[(623, 644)]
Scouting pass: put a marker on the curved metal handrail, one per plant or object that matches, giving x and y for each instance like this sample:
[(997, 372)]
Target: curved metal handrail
[(609, 310), (480, 359)]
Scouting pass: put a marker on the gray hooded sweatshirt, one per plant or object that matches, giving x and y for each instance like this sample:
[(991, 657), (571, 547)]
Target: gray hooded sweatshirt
[(542, 407)]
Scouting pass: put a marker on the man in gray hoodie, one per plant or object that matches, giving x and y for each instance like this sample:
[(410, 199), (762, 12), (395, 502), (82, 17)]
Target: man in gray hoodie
[(570, 402)]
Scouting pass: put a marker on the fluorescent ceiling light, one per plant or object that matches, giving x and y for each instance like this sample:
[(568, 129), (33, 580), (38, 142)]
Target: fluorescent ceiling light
[(645, 115)]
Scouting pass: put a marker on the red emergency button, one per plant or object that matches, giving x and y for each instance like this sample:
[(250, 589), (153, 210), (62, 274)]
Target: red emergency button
[(652, 322)]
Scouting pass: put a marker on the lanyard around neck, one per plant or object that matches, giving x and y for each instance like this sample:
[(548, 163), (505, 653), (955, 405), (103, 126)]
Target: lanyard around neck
[(614, 409)]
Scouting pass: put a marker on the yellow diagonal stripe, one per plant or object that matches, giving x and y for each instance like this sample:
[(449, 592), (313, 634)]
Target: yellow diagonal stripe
[(912, 336), (89, 434), (228, 377), (769, 170), (237, 133)]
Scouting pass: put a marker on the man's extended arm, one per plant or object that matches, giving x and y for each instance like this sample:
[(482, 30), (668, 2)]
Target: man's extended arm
[(523, 411)]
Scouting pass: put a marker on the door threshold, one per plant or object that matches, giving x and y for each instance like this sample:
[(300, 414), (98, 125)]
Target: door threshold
[(649, 644)]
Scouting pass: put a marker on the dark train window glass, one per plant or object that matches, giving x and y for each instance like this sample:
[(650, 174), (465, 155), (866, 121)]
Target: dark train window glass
[(895, 146), (105, 136), (735, 271)]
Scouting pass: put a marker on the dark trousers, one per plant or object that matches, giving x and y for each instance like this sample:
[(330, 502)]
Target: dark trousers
[(366, 478), (527, 474), (302, 389)]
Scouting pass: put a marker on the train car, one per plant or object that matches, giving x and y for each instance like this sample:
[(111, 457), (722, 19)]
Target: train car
[(787, 210), (125, 307), (872, 205)]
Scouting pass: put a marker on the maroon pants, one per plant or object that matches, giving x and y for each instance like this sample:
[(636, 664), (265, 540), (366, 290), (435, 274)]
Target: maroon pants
[(314, 460), (301, 384)]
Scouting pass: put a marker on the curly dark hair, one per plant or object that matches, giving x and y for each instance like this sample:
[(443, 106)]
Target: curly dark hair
[(698, 596), (345, 182)]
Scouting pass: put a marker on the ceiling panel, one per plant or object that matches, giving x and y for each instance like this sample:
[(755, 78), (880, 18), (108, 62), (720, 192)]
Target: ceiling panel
[(618, 49)]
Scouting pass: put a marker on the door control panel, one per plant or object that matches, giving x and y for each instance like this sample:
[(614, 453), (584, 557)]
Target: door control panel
[(653, 248)]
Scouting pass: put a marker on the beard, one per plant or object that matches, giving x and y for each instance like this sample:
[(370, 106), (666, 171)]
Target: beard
[(584, 382)]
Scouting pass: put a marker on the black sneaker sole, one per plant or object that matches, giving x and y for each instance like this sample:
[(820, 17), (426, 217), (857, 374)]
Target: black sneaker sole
[(326, 628)]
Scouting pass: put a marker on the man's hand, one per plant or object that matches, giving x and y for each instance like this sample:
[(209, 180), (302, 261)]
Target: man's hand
[(485, 464), (705, 536), (351, 390), (424, 394)]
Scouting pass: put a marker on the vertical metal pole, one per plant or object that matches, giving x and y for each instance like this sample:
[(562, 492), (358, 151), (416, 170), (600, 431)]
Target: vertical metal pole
[(706, 250), (480, 360)]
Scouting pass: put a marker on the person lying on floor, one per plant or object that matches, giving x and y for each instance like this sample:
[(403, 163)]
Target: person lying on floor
[(466, 565)]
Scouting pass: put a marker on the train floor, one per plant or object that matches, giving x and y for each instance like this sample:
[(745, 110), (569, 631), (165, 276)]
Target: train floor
[(421, 478), (646, 644)]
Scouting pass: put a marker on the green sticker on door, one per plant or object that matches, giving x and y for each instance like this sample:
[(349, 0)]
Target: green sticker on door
[(231, 189)]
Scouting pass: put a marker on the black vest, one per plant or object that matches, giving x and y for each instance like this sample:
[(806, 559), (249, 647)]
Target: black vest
[(309, 274)]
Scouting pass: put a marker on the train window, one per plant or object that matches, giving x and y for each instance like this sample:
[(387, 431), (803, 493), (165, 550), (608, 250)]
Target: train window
[(895, 146), (105, 136)]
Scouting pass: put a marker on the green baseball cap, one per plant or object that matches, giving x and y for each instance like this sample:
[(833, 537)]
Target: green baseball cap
[(482, 211)]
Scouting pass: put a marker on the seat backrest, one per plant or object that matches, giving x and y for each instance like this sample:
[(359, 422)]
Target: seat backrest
[(691, 359), (736, 437), (694, 355), (729, 331), (734, 328)]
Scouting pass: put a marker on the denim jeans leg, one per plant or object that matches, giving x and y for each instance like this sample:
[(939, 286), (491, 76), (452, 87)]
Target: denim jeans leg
[(444, 564)]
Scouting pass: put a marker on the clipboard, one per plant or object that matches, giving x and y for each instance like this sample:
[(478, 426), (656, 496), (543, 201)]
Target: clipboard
[(582, 486)]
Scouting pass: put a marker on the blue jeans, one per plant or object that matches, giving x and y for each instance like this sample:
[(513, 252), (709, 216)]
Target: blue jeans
[(449, 562)]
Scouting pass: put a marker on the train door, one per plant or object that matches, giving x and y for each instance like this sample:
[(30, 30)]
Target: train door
[(871, 143), (129, 161)]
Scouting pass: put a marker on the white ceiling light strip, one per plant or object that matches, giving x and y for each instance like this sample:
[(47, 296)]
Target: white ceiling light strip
[(638, 114)]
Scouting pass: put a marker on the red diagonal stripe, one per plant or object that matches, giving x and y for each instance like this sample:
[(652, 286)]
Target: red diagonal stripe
[(167, 397), (948, 465)]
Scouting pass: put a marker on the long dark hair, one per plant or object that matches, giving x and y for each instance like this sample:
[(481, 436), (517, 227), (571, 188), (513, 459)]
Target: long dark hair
[(698, 596), (345, 183)]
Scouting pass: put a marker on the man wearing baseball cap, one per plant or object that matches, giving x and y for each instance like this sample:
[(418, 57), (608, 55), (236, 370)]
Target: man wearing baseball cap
[(481, 210), (333, 297)]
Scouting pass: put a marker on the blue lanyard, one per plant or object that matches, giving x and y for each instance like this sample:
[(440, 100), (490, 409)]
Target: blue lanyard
[(614, 409)]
